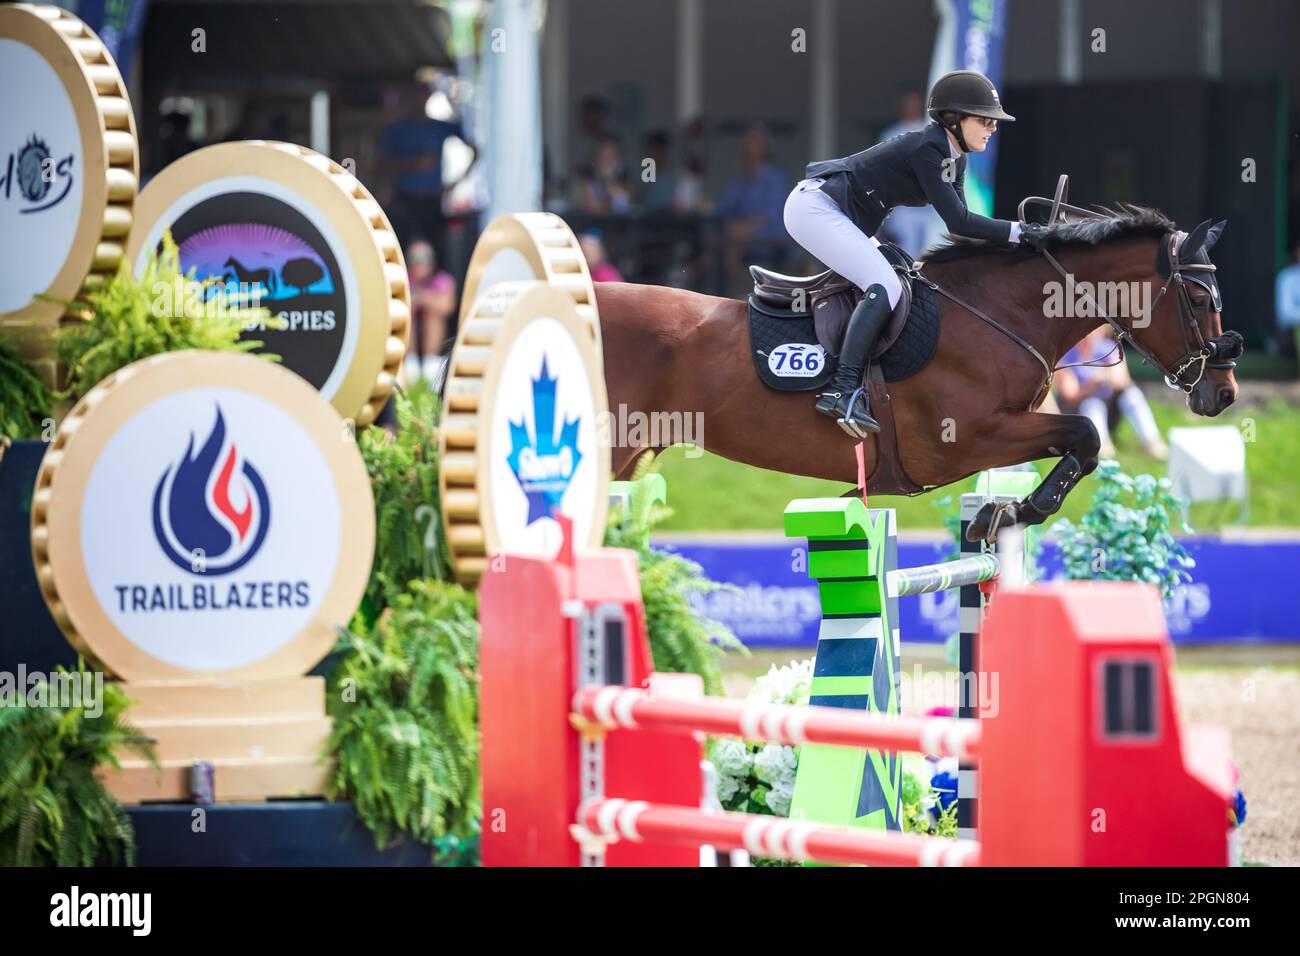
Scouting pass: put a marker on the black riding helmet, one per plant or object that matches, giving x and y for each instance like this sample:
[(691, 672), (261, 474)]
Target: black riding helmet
[(966, 93)]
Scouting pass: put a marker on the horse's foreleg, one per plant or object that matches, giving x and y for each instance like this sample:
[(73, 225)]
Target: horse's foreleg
[(1072, 437)]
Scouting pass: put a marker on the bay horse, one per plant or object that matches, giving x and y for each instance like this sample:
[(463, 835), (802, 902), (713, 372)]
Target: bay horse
[(974, 405)]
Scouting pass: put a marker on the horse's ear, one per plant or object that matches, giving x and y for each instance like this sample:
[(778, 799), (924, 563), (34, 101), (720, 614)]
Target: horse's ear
[(1192, 244), (1213, 235)]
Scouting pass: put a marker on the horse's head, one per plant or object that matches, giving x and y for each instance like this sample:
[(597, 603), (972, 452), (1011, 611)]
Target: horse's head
[(1182, 333)]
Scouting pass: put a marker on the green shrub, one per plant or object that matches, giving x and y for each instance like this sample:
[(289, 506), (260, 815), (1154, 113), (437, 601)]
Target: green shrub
[(1126, 534), (132, 318), (26, 402), (403, 469), (681, 640), (404, 701), (54, 811)]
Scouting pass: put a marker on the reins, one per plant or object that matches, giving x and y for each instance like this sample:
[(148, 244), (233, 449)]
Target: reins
[(1199, 354), (1020, 340)]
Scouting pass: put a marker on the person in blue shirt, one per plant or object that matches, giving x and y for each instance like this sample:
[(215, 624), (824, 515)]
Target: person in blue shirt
[(1095, 389), (752, 206), (410, 150), (1287, 299)]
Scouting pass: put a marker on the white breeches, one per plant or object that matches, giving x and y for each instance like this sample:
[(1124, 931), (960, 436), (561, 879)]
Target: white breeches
[(821, 227)]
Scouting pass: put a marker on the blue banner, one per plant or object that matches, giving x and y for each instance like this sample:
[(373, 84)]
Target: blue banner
[(118, 24), (1236, 593), (980, 25)]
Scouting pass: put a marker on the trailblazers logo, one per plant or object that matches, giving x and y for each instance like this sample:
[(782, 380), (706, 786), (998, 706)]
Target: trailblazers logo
[(543, 465), (211, 511)]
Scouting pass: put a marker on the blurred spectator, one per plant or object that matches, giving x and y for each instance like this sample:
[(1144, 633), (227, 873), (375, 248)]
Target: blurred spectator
[(660, 193), (602, 270), (433, 297), (752, 205), (602, 190), (915, 228), (174, 139), (1094, 390), (593, 126), (410, 153), (1287, 299), (691, 197)]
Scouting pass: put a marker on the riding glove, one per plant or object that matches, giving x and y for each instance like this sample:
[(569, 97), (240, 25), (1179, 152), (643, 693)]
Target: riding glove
[(1033, 235)]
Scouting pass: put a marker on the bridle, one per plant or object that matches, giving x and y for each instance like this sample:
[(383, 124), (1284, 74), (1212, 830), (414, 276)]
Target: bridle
[(1216, 353)]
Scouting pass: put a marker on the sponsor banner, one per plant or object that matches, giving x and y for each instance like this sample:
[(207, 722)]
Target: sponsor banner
[(212, 516), (1233, 596), (118, 23), (970, 37), (544, 439), (68, 171), (279, 227)]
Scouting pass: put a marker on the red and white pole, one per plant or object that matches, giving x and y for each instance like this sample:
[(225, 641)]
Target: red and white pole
[(632, 708), (603, 820)]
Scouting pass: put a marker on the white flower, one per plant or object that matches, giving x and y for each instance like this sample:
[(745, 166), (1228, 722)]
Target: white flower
[(775, 763), (733, 761), (790, 684)]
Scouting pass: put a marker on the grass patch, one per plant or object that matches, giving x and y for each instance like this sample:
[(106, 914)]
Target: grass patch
[(708, 493)]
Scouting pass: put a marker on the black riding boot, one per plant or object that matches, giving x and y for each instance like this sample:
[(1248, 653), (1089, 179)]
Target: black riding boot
[(845, 398)]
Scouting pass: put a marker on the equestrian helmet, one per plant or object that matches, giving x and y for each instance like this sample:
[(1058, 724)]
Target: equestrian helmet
[(966, 93)]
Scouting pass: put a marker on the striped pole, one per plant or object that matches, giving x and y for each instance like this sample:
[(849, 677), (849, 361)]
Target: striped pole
[(631, 708), (997, 485), (601, 819), (970, 617), (941, 577)]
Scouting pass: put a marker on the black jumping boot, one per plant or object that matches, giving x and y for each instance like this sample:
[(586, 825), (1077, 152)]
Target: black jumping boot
[(845, 398)]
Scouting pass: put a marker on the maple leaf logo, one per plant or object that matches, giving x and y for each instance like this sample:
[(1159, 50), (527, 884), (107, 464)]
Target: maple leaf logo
[(543, 463)]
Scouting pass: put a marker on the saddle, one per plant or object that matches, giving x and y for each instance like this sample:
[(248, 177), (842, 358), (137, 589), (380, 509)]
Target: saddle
[(796, 327), (830, 299)]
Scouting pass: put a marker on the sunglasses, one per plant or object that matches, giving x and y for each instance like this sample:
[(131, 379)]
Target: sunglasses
[(985, 122)]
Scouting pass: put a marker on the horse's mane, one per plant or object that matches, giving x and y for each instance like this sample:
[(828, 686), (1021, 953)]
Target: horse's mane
[(1122, 222)]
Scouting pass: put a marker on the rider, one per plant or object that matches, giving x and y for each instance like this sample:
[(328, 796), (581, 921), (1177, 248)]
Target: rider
[(834, 214)]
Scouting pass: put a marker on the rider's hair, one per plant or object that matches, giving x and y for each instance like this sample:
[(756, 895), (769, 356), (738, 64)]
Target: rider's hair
[(949, 118)]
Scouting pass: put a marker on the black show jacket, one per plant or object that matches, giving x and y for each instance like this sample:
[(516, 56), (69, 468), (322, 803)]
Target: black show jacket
[(905, 171)]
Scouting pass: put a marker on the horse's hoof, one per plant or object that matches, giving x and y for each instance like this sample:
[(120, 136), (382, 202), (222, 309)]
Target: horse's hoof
[(990, 519)]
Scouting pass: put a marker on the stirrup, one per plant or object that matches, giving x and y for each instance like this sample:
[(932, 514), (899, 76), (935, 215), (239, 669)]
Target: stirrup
[(853, 428)]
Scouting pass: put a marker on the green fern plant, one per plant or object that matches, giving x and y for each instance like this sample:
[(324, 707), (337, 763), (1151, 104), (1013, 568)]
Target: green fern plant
[(681, 640), (54, 811), (404, 700), (26, 402), (162, 310), (403, 469)]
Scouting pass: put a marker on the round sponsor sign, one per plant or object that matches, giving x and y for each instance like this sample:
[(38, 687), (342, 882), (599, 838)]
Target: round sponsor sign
[(203, 513), (68, 168), (531, 445), (288, 229), (533, 245)]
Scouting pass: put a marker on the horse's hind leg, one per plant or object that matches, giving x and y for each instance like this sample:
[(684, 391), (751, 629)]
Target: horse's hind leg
[(1072, 437)]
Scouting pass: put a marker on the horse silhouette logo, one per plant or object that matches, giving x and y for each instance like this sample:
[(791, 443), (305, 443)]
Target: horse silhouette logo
[(253, 259)]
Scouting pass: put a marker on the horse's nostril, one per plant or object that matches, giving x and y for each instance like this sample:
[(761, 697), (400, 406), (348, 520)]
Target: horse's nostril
[(1227, 395)]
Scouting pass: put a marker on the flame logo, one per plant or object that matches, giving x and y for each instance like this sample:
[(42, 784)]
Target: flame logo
[(211, 515)]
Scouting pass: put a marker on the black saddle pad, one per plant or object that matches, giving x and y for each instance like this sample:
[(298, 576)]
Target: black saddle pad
[(788, 358)]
